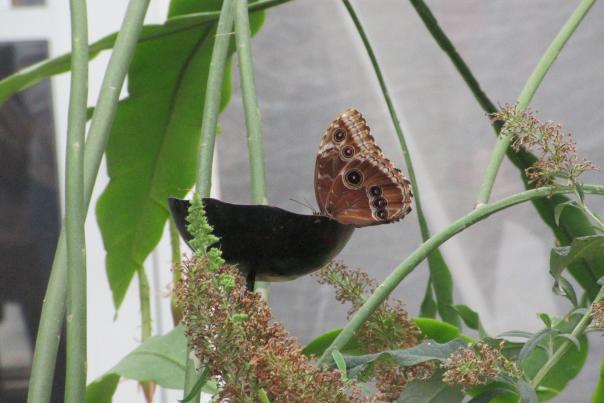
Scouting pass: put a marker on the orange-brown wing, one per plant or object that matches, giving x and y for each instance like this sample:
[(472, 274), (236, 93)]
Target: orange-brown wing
[(369, 191), (346, 137)]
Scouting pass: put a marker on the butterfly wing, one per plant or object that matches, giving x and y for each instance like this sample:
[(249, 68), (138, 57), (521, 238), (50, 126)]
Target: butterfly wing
[(354, 182)]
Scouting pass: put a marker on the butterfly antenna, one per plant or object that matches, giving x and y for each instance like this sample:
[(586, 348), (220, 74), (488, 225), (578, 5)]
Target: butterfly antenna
[(303, 204)]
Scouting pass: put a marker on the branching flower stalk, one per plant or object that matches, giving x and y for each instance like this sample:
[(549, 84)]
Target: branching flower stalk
[(410, 263), (577, 332), (527, 94), (53, 308)]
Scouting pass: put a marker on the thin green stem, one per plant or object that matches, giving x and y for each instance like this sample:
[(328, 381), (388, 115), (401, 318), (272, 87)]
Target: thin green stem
[(145, 303), (75, 216), (527, 94), (53, 308), (409, 264), (588, 212), (252, 115), (444, 294), (578, 331), (175, 247), (211, 108)]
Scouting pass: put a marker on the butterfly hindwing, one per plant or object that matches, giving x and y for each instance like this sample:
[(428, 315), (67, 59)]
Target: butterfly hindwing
[(354, 183)]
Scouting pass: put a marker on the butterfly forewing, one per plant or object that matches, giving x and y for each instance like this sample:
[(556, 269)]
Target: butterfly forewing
[(354, 183)]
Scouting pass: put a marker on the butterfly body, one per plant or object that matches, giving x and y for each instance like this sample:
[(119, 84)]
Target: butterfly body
[(354, 182)]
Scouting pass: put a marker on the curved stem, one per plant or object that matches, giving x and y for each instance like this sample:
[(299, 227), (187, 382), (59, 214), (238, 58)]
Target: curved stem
[(408, 265), (439, 272), (527, 93), (53, 308), (75, 216), (252, 115), (578, 331)]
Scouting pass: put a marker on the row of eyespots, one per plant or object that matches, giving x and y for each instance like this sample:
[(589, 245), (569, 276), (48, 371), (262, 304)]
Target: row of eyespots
[(378, 202)]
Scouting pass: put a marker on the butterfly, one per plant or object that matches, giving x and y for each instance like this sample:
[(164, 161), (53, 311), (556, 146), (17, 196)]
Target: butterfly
[(354, 183)]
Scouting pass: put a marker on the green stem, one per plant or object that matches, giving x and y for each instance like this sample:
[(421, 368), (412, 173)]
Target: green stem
[(75, 216), (409, 264), (437, 265), (588, 212), (252, 115), (53, 308), (447, 46), (145, 303), (577, 332), (213, 98), (527, 93), (211, 108), (175, 246)]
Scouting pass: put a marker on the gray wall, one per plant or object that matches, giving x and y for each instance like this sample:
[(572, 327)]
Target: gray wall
[(310, 66)]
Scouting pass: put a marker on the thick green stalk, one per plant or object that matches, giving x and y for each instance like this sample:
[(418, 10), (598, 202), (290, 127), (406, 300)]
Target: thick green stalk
[(527, 94), (211, 108), (252, 115), (75, 216), (578, 331), (53, 309), (444, 293), (415, 258)]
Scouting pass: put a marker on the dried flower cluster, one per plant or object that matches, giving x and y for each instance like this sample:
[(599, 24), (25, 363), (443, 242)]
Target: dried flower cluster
[(597, 314), (478, 364), (388, 328), (230, 331), (558, 155)]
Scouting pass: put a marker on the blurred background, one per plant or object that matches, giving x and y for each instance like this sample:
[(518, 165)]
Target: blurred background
[(310, 66)]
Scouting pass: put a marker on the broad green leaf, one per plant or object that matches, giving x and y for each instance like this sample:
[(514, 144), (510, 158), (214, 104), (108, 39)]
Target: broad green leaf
[(587, 247), (152, 150), (160, 359), (490, 394), (432, 390), (37, 72), (534, 341), (470, 318), (405, 357), (598, 395)]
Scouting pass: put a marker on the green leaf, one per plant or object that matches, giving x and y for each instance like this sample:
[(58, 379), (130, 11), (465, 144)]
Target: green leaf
[(338, 358), (318, 346), (526, 392), (201, 381), (566, 289), (534, 341), (152, 150), (405, 357), (439, 331), (546, 319), (442, 284), (470, 318), (598, 396), (560, 208), (433, 390), (35, 73), (570, 338), (490, 394), (428, 306), (588, 248), (565, 370), (160, 359)]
